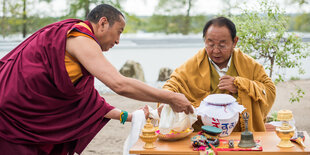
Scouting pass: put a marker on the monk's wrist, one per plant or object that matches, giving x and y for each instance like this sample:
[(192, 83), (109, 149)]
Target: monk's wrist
[(167, 97), (129, 119)]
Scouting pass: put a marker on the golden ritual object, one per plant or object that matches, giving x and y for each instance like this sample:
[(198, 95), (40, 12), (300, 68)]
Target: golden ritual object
[(148, 135), (286, 131)]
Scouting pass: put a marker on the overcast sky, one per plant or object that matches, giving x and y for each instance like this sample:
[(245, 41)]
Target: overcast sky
[(147, 7)]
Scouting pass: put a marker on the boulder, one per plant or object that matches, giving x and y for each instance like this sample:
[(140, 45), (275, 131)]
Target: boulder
[(132, 69), (164, 74)]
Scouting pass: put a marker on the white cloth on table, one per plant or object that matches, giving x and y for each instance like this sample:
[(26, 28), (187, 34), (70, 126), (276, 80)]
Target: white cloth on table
[(170, 120)]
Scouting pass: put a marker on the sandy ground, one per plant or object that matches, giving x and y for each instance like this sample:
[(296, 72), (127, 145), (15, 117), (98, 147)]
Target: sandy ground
[(110, 140)]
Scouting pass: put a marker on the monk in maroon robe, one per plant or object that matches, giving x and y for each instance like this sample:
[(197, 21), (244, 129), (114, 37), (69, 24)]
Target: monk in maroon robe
[(42, 111)]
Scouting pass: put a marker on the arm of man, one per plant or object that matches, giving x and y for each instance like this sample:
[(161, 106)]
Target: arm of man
[(115, 114), (89, 54)]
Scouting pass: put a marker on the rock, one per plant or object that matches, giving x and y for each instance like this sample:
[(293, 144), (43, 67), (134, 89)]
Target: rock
[(164, 74), (132, 69)]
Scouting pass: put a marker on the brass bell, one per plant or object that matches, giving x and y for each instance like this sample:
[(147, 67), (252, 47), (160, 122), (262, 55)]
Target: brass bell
[(247, 140)]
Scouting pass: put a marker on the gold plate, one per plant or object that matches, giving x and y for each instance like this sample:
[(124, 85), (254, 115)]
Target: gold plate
[(174, 135)]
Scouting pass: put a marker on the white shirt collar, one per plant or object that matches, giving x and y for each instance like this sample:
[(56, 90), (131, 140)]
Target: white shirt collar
[(224, 70)]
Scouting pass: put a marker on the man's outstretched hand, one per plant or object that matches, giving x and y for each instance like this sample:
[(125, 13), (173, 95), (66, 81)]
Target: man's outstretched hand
[(179, 103)]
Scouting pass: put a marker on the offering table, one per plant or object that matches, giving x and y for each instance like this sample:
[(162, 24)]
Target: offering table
[(269, 141)]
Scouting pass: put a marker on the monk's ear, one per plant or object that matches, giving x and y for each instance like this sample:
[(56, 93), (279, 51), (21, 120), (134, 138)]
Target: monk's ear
[(235, 41), (103, 21)]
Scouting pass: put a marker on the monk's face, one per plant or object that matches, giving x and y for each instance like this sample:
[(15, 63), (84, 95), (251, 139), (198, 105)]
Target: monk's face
[(219, 44), (109, 35)]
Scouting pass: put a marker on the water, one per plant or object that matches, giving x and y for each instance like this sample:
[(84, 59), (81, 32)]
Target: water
[(154, 52), (151, 60)]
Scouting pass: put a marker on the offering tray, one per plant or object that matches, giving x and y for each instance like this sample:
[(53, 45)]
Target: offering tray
[(173, 135)]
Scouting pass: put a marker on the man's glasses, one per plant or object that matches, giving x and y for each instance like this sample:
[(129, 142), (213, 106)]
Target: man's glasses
[(220, 47)]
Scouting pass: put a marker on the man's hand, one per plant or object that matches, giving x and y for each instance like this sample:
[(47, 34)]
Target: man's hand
[(227, 83), (159, 109), (179, 103), (146, 111)]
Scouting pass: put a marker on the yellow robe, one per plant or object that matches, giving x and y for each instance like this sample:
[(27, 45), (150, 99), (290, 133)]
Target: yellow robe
[(256, 91)]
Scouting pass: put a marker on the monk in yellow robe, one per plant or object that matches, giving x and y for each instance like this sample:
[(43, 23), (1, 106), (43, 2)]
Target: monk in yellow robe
[(222, 68)]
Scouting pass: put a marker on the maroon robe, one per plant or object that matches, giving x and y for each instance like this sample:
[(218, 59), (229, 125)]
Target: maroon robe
[(39, 105)]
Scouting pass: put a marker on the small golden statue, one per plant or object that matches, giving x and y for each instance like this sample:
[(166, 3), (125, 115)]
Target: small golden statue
[(148, 135), (286, 131)]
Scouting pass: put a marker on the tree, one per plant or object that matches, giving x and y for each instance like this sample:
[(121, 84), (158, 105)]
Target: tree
[(24, 19), (84, 6), (263, 35), (302, 21), (300, 2), (177, 8), (230, 5), (14, 17), (187, 17), (4, 25)]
